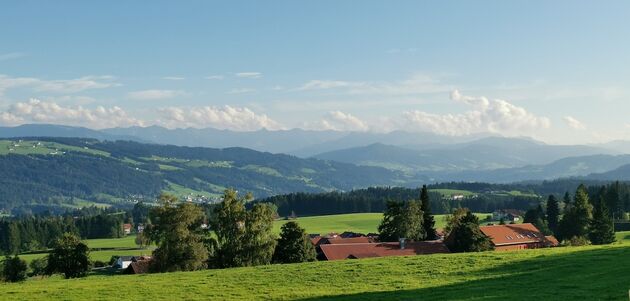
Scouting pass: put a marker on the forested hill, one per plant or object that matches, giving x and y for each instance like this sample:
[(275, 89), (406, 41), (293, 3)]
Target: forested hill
[(74, 172)]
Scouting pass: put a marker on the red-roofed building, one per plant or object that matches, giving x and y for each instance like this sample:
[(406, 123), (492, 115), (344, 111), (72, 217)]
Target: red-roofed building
[(518, 236), (368, 250)]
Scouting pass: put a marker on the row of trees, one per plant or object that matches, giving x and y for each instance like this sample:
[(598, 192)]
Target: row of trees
[(69, 257), (240, 237), (39, 233), (584, 219)]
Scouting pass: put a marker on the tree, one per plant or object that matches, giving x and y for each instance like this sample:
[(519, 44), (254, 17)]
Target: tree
[(601, 228), (453, 220), (553, 213), (142, 240), (538, 219), (429, 221), (69, 256), (14, 269), (176, 230), (243, 238), (402, 220), (466, 236), (38, 266), (567, 201), (576, 220), (293, 245)]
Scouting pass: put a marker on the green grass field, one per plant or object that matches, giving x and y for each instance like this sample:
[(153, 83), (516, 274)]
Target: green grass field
[(568, 273), (355, 222)]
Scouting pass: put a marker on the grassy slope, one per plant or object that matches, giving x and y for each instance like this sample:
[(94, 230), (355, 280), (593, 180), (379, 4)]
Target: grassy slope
[(587, 273), (356, 222)]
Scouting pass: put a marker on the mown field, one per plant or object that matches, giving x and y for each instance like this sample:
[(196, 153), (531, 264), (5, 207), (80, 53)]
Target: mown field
[(355, 222), (568, 273)]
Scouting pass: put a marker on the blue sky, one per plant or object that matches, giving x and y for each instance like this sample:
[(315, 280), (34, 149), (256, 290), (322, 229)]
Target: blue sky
[(554, 70)]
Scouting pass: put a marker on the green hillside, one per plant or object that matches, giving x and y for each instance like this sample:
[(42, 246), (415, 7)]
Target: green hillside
[(586, 273), (71, 171)]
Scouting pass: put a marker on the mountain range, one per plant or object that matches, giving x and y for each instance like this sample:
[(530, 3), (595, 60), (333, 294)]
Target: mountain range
[(417, 156)]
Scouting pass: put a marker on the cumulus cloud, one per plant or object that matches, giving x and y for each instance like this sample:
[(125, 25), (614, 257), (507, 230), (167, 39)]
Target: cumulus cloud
[(339, 121), (226, 117), (485, 115), (154, 94), (37, 111), (574, 123), (249, 74), (57, 86)]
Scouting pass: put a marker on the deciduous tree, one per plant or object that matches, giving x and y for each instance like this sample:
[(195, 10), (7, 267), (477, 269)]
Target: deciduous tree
[(69, 256), (293, 245)]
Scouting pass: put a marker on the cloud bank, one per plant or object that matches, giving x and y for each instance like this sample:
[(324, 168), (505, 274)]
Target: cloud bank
[(37, 111), (226, 117), (485, 115)]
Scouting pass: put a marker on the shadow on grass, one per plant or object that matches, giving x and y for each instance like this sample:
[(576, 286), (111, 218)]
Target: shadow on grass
[(599, 274)]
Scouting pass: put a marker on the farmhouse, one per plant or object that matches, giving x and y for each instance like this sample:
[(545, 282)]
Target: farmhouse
[(508, 215), (139, 265), (368, 250), (123, 262), (127, 229), (518, 236)]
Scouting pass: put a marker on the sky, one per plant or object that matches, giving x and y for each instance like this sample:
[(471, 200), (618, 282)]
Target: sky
[(557, 71)]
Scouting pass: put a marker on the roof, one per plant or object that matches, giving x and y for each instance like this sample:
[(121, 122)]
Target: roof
[(351, 240), (552, 240), (316, 240), (367, 250), (138, 267), (126, 226), (502, 235)]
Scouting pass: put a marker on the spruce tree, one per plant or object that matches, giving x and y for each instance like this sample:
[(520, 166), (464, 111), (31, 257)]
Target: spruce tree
[(601, 229), (576, 220), (466, 236), (553, 213), (429, 221), (294, 245), (14, 269)]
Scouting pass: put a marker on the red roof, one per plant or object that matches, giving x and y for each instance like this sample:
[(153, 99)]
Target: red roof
[(514, 234), (352, 240), (367, 250)]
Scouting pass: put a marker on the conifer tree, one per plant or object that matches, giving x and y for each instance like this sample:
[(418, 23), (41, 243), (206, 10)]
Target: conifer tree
[(294, 245), (429, 221), (553, 213), (601, 228)]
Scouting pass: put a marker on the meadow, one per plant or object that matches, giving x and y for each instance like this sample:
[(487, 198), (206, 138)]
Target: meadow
[(565, 273)]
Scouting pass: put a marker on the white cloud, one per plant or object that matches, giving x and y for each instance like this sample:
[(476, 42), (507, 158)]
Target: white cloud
[(240, 91), (11, 56), (325, 84), (173, 78), (154, 94), (37, 111), (215, 77), (249, 74), (226, 117), (574, 123), (339, 121), (417, 84), (494, 116), (57, 86)]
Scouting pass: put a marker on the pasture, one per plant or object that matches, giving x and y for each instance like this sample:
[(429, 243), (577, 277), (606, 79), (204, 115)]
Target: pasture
[(566, 273)]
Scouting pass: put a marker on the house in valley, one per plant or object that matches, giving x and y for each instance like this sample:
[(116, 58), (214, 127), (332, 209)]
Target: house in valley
[(340, 251), (507, 215), (123, 262), (518, 236), (127, 229)]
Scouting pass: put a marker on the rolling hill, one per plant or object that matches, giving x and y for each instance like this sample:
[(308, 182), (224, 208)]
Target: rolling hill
[(53, 171), (482, 154)]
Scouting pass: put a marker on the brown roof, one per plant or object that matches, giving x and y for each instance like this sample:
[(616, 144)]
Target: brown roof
[(316, 240), (552, 241), (367, 250), (138, 267), (351, 240), (513, 234)]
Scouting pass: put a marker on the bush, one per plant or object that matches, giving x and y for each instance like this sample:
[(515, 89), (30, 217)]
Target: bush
[(576, 241), (38, 266), (14, 269), (99, 264)]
